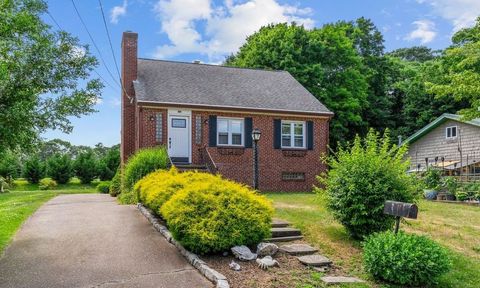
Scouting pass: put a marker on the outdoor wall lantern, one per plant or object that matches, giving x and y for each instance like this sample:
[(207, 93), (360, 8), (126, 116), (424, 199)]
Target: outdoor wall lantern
[(255, 137)]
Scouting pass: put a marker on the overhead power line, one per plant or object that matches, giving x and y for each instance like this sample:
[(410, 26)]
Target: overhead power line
[(111, 49), (96, 72), (95, 44)]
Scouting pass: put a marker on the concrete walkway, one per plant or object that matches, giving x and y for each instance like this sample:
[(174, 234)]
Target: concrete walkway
[(87, 240)]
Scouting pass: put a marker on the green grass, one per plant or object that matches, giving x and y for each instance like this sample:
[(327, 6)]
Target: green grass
[(17, 206), (74, 184), (452, 225)]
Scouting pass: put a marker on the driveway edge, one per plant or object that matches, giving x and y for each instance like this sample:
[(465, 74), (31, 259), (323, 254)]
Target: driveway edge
[(214, 276)]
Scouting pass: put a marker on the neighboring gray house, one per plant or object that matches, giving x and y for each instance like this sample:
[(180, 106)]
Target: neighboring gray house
[(447, 143)]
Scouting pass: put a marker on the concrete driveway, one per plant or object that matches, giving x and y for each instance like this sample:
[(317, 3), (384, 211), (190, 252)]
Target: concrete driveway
[(88, 240)]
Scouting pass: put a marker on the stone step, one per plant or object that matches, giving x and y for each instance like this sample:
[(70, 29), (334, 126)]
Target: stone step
[(314, 260), (285, 232), (284, 239), (335, 280), (298, 249), (278, 223)]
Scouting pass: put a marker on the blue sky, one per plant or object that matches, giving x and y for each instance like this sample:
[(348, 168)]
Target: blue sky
[(208, 30)]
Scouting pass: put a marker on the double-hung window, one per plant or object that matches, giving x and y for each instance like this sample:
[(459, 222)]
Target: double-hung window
[(230, 132), (293, 134), (451, 132)]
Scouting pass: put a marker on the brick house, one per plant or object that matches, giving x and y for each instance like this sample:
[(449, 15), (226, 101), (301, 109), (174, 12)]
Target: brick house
[(205, 114)]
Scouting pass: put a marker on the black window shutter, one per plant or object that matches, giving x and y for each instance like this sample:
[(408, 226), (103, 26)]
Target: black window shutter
[(310, 135), (248, 132), (277, 133), (212, 131)]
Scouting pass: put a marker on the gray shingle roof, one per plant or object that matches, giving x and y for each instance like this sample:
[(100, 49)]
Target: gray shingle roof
[(220, 86)]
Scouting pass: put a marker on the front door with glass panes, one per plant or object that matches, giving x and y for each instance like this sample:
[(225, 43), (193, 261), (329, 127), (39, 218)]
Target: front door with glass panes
[(179, 138)]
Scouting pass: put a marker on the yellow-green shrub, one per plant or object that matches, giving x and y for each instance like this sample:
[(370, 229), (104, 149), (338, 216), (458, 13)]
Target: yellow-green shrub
[(211, 214), (157, 187)]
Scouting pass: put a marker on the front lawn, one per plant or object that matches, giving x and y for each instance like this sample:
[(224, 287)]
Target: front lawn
[(452, 225), (17, 206)]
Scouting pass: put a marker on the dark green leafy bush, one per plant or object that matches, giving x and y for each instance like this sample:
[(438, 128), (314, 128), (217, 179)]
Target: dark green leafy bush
[(103, 187), (60, 168), (405, 259), (361, 178), (108, 165), (432, 178), (139, 165), (116, 184), (34, 170), (9, 166), (85, 167)]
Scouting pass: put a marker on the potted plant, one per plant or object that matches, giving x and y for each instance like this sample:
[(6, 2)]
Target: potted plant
[(431, 181)]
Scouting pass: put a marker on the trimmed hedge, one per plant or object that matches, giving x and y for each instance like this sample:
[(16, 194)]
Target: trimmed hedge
[(138, 166), (405, 259), (204, 212)]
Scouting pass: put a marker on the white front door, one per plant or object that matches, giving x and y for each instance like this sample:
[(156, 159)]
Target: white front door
[(179, 138)]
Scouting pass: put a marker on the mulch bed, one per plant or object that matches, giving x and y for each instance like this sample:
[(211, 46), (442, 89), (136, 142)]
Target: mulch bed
[(291, 272)]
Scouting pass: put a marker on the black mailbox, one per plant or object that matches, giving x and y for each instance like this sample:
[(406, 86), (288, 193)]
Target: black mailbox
[(400, 209)]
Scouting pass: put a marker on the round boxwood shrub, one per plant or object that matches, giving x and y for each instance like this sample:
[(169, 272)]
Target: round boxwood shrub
[(103, 187), (214, 215), (139, 165), (47, 184), (405, 259), (156, 188), (361, 178)]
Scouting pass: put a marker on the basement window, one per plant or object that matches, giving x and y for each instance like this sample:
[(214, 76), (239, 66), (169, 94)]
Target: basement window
[(451, 132), (293, 176)]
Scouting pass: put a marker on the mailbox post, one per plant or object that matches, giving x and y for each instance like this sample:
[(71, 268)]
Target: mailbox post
[(399, 210)]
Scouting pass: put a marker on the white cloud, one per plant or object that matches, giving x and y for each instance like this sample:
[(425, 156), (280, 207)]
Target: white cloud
[(425, 31), (118, 11), (225, 26), (461, 13)]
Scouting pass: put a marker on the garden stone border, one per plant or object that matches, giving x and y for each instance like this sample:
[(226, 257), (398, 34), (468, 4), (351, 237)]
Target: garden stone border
[(214, 276)]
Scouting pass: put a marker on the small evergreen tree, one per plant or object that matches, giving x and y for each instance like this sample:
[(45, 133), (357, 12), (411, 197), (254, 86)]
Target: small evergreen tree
[(60, 168), (108, 165), (85, 167), (34, 170)]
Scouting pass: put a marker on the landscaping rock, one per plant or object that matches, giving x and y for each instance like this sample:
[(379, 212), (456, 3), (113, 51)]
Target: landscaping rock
[(235, 266), (266, 249), (243, 253), (298, 249), (322, 269), (332, 280), (267, 262), (315, 260)]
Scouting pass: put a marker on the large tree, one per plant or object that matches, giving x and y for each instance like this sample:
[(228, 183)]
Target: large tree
[(44, 75), (324, 60), (458, 70)]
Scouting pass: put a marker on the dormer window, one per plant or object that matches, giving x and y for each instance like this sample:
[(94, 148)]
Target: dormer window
[(451, 132)]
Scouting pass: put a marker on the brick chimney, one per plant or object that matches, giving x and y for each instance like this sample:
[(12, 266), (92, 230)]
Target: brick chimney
[(129, 74)]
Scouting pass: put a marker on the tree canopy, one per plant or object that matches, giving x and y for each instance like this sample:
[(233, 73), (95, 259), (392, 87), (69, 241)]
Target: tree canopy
[(44, 75)]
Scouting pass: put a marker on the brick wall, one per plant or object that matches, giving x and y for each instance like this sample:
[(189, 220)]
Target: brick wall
[(237, 163), (128, 113)]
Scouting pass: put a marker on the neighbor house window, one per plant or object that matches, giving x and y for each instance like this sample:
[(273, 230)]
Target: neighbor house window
[(293, 134), (230, 131), (451, 132)]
